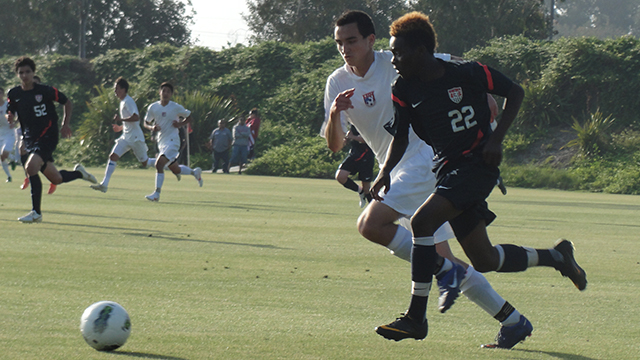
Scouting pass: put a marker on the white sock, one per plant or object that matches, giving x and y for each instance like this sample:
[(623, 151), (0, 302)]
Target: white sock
[(402, 244), (5, 167), (446, 266), (477, 289), (111, 167), (185, 170), (159, 181), (150, 161)]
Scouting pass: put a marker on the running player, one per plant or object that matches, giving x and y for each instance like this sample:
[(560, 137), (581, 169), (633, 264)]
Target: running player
[(34, 107), (164, 117), (132, 137), (359, 160), (445, 103), (360, 93)]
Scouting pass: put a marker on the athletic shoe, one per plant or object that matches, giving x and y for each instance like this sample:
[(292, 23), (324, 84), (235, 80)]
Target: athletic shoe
[(509, 336), (9, 179), (25, 184), (449, 284), (501, 186), (85, 175), (363, 199), (31, 217), (404, 328), (99, 187), (178, 176), (153, 197), (569, 268), (52, 188), (197, 172), (13, 166)]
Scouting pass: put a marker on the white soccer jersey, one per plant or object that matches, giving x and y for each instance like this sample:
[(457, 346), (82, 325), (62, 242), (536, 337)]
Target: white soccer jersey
[(372, 112), (4, 124), (132, 131), (164, 116)]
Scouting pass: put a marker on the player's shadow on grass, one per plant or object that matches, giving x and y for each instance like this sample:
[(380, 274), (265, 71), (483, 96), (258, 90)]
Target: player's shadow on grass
[(172, 238), (555, 355), (145, 355)]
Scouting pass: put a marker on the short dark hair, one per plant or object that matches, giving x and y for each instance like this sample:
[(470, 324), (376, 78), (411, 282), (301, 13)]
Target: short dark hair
[(254, 111), (416, 28), (166, 84), (123, 83), (24, 61), (361, 18)]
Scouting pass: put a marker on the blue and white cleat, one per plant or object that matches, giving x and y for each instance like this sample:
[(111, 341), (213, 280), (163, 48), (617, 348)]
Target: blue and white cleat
[(509, 336), (449, 285)]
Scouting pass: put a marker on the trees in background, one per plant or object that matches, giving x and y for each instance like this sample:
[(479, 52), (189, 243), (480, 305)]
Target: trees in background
[(44, 26)]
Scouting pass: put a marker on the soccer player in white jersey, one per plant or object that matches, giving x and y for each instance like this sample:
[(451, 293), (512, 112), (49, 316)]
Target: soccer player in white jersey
[(360, 93), (132, 137), (7, 135), (164, 117)]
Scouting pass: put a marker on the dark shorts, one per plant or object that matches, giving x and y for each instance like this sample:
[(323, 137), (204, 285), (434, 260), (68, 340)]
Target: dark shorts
[(467, 185), (361, 164), (44, 147)]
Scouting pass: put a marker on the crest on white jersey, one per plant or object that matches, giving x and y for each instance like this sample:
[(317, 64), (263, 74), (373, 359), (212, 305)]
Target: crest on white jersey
[(38, 98), (164, 114), (369, 99), (455, 94)]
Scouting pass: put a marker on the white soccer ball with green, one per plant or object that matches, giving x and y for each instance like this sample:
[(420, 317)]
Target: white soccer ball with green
[(105, 325)]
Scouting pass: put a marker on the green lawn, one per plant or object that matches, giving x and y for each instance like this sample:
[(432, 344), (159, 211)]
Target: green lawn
[(251, 267)]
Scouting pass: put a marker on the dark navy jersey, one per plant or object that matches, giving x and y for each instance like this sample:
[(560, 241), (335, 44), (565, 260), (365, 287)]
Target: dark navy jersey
[(450, 113), (36, 110), (358, 149)]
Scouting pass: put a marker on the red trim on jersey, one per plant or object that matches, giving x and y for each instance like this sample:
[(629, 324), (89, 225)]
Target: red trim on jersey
[(400, 102), (46, 129), (475, 143), (363, 154), (489, 77), (57, 97)]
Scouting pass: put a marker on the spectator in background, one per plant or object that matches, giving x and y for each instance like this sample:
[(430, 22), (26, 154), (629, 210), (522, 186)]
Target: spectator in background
[(253, 122), (220, 142), (241, 136)]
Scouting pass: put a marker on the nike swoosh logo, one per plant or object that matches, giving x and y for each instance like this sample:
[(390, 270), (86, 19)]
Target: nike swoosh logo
[(454, 283), (417, 104)]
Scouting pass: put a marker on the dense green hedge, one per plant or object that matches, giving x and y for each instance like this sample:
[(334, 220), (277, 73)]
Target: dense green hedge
[(566, 81)]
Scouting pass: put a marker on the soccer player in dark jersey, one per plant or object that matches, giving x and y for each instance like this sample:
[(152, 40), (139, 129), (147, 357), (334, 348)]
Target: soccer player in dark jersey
[(446, 105), (360, 160), (33, 104)]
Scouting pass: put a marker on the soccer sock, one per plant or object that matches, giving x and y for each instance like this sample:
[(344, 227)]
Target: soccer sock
[(185, 170), (150, 161), (544, 257), (159, 181), (422, 267), (5, 167), (477, 289), (36, 193), (401, 244), (70, 175), (111, 167), (351, 185), (442, 266), (513, 258)]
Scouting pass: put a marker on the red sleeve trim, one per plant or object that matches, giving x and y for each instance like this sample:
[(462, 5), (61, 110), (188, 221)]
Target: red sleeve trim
[(489, 77), (56, 96), (400, 102)]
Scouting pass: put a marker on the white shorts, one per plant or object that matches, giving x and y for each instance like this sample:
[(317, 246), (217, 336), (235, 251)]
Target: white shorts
[(412, 182), (7, 141), (170, 149), (139, 148)]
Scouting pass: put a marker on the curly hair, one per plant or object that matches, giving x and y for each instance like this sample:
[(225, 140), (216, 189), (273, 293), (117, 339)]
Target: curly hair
[(24, 61), (416, 28)]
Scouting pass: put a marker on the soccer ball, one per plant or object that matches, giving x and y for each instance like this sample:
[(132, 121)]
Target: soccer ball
[(105, 325)]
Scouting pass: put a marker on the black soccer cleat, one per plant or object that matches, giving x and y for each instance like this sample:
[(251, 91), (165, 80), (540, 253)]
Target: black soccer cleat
[(509, 336), (502, 186), (404, 327), (569, 267)]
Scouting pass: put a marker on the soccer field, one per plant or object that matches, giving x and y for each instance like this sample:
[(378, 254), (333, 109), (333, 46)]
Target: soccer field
[(251, 267)]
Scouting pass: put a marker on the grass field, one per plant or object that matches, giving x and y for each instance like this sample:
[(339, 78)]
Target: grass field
[(251, 267)]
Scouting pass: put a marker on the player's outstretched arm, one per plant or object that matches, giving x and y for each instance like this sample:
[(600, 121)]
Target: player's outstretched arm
[(65, 130), (333, 131)]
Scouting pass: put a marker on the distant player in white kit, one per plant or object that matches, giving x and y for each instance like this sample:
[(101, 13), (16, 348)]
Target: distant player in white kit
[(132, 137), (360, 93), (165, 117), (7, 136)]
